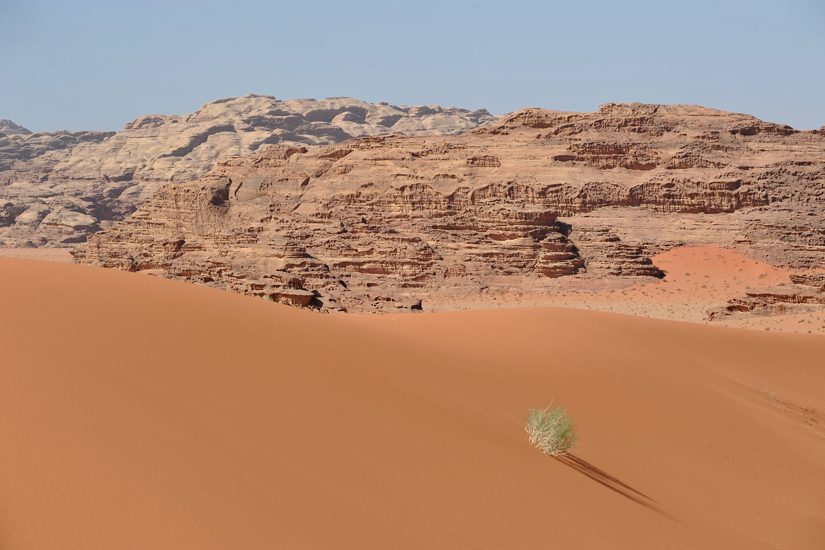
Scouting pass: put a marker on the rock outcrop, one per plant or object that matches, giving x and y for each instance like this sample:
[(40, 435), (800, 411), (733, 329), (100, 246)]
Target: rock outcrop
[(105, 176), (806, 293), (320, 228), (9, 128), (380, 222)]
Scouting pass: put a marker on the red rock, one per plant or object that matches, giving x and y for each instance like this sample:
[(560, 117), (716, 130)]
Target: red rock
[(779, 300), (399, 216)]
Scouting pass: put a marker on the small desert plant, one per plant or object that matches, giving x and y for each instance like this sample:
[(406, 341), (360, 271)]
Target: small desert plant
[(771, 394), (550, 430)]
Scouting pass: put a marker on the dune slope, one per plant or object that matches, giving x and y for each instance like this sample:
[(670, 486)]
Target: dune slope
[(138, 412)]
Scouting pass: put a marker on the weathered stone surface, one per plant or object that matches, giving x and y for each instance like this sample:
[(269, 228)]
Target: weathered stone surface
[(107, 175), (816, 280), (9, 128), (387, 219), (373, 251), (805, 293), (779, 300), (606, 255)]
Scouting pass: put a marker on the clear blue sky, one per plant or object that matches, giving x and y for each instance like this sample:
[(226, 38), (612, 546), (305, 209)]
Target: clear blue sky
[(99, 64)]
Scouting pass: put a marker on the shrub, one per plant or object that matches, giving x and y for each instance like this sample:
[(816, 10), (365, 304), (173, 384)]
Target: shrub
[(551, 431)]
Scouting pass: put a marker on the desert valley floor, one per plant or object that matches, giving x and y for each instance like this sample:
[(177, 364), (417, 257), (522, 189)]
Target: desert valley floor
[(141, 412)]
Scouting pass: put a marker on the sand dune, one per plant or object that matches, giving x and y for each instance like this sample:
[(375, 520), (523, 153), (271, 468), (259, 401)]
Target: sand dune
[(137, 412)]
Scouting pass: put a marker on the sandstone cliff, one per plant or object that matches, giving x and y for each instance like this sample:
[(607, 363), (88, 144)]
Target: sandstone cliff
[(380, 222), (57, 188)]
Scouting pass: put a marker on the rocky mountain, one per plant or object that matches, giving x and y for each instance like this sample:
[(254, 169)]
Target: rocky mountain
[(378, 223), (57, 188), (9, 128)]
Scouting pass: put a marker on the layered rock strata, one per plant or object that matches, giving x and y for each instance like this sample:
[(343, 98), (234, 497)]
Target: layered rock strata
[(379, 222), (804, 294), (67, 185), (9, 128)]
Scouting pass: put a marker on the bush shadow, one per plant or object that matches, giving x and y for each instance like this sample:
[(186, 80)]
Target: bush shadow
[(614, 484)]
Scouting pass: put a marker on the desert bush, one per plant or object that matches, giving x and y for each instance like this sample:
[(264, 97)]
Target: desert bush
[(551, 430)]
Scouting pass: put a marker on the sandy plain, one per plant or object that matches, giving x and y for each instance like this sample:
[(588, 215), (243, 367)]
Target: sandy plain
[(138, 412)]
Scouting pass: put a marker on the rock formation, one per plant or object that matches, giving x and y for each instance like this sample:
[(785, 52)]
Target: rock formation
[(805, 293), (9, 128), (380, 222), (57, 188)]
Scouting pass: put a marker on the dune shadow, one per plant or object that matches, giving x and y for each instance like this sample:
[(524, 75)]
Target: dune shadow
[(614, 484)]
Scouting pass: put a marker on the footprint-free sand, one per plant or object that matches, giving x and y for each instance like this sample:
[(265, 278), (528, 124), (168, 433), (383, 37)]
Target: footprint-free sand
[(138, 412)]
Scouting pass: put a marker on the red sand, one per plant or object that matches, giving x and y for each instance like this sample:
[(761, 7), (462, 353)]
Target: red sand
[(49, 254), (137, 412)]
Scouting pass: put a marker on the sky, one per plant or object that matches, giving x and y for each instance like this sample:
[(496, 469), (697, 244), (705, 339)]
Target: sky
[(95, 65)]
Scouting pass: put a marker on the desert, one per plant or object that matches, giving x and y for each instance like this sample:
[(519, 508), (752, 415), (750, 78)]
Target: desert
[(432, 275), (174, 415), (534, 201), (683, 339)]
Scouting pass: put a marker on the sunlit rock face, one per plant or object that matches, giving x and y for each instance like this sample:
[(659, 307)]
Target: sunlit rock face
[(105, 176), (378, 223)]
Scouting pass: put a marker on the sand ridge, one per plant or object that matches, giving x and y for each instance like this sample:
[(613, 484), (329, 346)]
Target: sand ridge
[(139, 412)]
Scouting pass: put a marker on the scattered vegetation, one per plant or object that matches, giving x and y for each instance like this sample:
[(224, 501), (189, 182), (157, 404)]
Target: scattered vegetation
[(770, 394), (551, 430)]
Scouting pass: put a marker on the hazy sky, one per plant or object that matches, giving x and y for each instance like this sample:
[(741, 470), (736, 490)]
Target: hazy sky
[(97, 65)]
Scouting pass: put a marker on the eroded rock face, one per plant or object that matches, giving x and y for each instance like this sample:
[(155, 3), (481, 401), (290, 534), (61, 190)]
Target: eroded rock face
[(377, 223), (107, 175), (805, 293), (261, 226), (9, 128), (786, 299)]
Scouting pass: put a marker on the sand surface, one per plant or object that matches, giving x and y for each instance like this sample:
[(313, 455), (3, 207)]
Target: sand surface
[(138, 412), (49, 254)]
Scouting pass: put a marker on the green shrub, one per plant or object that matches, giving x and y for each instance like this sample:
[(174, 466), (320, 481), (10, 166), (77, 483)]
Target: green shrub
[(551, 431)]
